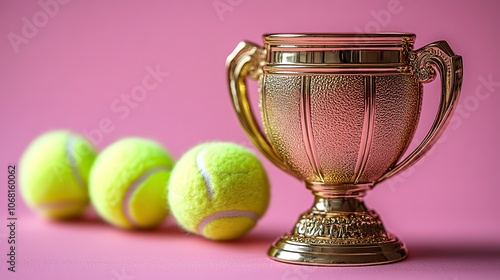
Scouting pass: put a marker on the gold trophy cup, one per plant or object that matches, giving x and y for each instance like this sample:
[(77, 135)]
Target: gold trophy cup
[(339, 111)]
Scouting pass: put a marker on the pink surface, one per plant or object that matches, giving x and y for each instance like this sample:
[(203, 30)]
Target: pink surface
[(75, 68)]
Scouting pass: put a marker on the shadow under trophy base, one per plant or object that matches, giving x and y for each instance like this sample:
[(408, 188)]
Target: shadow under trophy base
[(339, 112)]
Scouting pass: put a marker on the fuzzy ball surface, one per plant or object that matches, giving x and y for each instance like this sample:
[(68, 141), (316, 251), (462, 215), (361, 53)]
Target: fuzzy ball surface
[(218, 190), (128, 183)]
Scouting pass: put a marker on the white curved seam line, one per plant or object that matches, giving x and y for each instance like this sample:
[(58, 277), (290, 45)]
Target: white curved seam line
[(133, 187), (226, 214), (204, 173), (72, 161)]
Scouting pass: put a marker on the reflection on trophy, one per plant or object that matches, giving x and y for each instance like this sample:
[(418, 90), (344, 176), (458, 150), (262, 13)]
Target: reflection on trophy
[(339, 112)]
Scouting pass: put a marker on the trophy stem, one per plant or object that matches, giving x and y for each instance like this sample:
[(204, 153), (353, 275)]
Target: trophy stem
[(338, 231)]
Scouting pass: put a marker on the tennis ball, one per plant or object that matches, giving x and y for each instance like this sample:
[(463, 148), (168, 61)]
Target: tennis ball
[(53, 173), (128, 183), (218, 190)]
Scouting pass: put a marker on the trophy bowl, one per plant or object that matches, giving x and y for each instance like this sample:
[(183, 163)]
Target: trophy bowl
[(339, 112)]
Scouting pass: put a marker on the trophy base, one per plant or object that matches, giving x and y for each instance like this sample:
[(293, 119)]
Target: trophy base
[(296, 252), (338, 232)]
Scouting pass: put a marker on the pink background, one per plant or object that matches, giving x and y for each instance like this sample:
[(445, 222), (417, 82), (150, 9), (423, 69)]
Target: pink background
[(74, 67)]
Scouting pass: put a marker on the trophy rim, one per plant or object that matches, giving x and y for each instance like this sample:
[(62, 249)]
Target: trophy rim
[(339, 34), (297, 39)]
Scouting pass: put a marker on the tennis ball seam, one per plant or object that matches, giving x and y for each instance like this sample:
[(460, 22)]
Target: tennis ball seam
[(70, 147), (226, 214), (134, 186), (204, 173)]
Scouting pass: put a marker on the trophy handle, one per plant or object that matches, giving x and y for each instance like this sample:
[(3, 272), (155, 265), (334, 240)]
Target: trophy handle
[(247, 60), (441, 56)]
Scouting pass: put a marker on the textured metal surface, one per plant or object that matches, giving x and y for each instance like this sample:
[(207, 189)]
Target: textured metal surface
[(285, 101), (340, 129), (339, 111), (397, 110), (337, 119)]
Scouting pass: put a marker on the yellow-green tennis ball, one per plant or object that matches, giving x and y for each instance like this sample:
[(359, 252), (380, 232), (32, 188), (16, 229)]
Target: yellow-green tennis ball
[(54, 172), (218, 190), (128, 183)]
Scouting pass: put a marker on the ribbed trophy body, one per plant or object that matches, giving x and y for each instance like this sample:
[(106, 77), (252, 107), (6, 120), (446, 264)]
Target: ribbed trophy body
[(339, 112), (336, 129)]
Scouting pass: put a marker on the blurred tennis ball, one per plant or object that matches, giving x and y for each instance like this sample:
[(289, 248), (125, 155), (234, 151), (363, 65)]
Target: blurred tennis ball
[(128, 183), (54, 172)]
